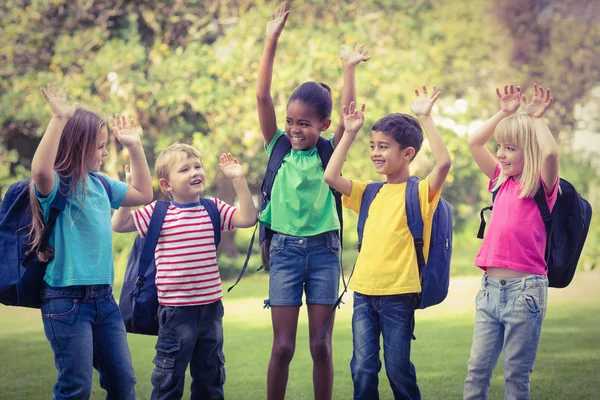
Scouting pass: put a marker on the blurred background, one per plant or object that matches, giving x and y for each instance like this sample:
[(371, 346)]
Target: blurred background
[(186, 71)]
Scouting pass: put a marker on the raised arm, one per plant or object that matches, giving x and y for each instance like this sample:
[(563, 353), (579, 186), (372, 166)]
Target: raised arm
[(353, 121), (539, 104), (422, 108), (42, 165), (246, 213), (264, 101), (509, 104), (350, 59), (140, 189), (122, 221)]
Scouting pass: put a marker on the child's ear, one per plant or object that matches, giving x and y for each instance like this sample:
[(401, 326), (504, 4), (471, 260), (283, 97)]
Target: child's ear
[(409, 153), (325, 124), (164, 185)]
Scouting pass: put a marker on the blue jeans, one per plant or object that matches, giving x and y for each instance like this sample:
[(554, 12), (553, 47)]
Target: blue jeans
[(189, 335), (304, 263), (509, 318), (85, 329), (392, 316)]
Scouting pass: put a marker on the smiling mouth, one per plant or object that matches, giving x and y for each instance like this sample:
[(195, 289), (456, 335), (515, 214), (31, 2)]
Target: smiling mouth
[(196, 182), (378, 162), (297, 139)]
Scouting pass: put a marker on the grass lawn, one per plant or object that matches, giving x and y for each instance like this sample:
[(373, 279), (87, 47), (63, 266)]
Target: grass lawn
[(567, 365)]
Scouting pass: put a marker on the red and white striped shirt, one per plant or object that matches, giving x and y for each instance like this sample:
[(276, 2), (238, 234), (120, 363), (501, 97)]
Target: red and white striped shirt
[(187, 273)]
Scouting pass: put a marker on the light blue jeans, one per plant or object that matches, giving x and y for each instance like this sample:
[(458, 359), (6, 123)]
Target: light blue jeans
[(509, 318)]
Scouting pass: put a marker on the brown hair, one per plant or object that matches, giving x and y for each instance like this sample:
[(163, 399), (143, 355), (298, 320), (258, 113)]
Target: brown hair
[(75, 149)]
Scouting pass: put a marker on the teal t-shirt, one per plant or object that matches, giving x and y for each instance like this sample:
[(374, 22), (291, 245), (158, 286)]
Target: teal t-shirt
[(301, 202), (82, 236)]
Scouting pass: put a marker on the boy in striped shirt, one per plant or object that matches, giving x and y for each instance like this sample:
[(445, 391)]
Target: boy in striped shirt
[(188, 282)]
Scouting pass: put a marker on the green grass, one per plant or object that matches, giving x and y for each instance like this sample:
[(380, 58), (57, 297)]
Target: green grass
[(567, 365)]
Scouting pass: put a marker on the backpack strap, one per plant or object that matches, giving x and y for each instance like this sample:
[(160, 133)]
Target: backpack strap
[(482, 224), (215, 218), (325, 151), (151, 239), (415, 218), (105, 183)]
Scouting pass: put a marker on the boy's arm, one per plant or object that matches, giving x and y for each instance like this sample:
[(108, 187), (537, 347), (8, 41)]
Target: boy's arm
[(422, 108), (246, 213), (266, 110), (509, 104), (354, 120), (536, 109), (350, 58), (42, 165), (122, 220), (140, 189)]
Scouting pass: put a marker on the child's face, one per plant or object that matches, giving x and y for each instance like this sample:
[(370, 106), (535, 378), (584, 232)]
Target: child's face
[(388, 157), (100, 152), (511, 158), (186, 180), (303, 126)]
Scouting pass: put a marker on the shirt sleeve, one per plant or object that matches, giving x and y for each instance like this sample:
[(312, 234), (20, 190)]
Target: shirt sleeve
[(118, 191), (427, 207), (141, 218), (46, 201), (226, 212), (493, 180), (551, 198), (356, 194)]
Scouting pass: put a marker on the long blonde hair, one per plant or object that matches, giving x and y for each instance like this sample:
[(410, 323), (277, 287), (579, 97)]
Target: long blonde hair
[(75, 149), (518, 130)]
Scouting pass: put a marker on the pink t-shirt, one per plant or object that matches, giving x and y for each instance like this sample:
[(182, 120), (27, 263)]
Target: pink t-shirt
[(516, 236)]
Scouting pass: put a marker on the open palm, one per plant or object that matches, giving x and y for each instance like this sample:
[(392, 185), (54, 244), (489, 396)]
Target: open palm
[(539, 103), (510, 99), (125, 131), (58, 101), (352, 56), (277, 23), (422, 106), (353, 119), (231, 167)]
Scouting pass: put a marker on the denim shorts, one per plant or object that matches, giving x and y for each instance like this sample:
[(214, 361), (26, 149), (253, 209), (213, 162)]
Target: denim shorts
[(298, 264)]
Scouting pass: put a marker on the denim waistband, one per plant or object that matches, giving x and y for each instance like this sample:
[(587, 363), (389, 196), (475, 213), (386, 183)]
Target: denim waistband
[(327, 238), (76, 292), (513, 284)]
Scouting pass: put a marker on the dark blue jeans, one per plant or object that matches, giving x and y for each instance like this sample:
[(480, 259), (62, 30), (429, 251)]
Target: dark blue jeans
[(85, 329), (392, 316), (189, 335)]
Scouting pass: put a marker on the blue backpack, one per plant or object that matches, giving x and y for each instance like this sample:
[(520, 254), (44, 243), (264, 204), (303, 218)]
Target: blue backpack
[(282, 147), (566, 230), (139, 299), (22, 274), (435, 274)]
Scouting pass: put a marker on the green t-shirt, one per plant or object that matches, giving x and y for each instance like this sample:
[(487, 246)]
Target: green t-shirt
[(301, 202)]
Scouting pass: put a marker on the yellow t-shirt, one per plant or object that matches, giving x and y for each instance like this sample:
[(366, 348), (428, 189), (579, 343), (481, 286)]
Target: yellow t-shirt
[(387, 262)]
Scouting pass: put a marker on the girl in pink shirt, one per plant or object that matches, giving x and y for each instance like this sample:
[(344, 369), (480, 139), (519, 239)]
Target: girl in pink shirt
[(512, 301)]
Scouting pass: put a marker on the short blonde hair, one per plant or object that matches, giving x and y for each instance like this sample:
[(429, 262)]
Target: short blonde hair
[(518, 129), (169, 156)]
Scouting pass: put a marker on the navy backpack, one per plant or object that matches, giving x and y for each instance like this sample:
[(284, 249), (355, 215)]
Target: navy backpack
[(566, 230), (22, 274), (435, 274), (282, 147), (139, 299)]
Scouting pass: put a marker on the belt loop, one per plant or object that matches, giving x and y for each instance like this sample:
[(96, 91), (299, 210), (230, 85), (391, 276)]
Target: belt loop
[(523, 283), (329, 236), (86, 297), (485, 280)]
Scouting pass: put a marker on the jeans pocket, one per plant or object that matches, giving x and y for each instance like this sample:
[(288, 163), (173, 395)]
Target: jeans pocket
[(166, 317), (333, 245), (531, 303), (222, 377), (164, 361)]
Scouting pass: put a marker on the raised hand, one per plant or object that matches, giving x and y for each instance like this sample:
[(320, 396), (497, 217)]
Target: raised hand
[(231, 167), (510, 99), (539, 103), (353, 119), (58, 101), (422, 105), (352, 56), (124, 131), (277, 23), (127, 175)]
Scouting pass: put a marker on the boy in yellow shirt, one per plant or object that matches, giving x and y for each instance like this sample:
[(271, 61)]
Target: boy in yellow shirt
[(386, 280)]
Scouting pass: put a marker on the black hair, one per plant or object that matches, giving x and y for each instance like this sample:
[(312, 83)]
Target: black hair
[(316, 95), (404, 129)]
